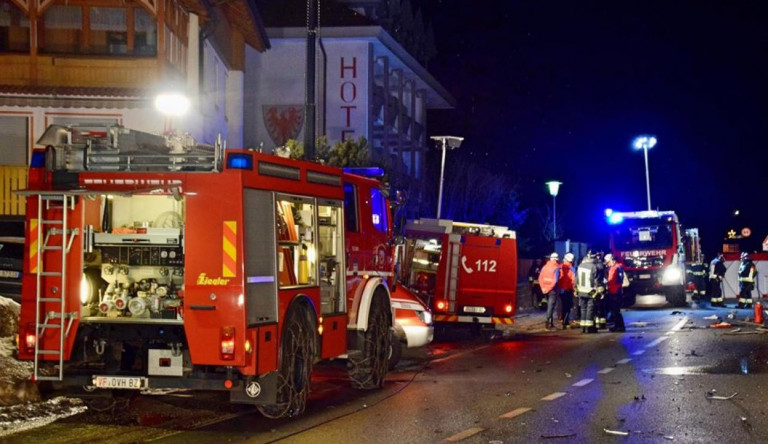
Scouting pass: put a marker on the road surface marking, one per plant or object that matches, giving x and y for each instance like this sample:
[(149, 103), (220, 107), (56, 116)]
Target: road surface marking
[(624, 361), (553, 396), (456, 355), (678, 326), (583, 382), (465, 434), (657, 341), (639, 352), (606, 370), (515, 412)]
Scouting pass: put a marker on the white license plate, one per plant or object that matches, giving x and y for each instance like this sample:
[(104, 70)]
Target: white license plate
[(644, 276), (10, 274), (474, 309), (120, 382)]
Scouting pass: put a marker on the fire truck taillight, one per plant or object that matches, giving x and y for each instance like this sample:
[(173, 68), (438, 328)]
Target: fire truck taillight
[(508, 308), (30, 339), (227, 343), (441, 305), (320, 326)]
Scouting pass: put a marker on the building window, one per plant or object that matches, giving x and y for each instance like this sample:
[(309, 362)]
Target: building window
[(145, 33), (109, 31), (14, 28), (61, 29), (14, 140)]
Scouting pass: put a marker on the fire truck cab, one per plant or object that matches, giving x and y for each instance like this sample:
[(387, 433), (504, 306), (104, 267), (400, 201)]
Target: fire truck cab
[(154, 263), (650, 246), (466, 273)]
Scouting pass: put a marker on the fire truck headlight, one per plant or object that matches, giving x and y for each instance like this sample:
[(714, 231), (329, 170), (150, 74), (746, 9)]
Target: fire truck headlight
[(672, 275), (425, 316), (85, 290)]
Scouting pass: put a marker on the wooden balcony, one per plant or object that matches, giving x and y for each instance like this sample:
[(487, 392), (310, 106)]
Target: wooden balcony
[(12, 178)]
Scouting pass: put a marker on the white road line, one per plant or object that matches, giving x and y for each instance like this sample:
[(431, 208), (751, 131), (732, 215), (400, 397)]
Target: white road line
[(606, 370), (583, 382), (657, 341), (624, 361), (465, 434), (515, 412), (553, 396), (639, 352), (678, 326)]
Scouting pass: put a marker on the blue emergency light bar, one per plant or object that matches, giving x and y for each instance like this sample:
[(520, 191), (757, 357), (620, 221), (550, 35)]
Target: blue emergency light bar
[(240, 161), (365, 171)]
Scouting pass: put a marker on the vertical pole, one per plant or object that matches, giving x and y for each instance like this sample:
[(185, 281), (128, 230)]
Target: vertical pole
[(647, 178), (309, 100), (440, 192), (554, 217)]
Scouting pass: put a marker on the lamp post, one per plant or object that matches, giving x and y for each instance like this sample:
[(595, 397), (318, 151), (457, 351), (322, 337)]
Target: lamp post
[(554, 187), (645, 143), (447, 142)]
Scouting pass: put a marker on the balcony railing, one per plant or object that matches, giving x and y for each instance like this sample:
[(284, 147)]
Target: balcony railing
[(12, 178)]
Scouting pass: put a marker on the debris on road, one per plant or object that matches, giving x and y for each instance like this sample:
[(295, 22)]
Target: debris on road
[(568, 375), (562, 435), (711, 318), (721, 325), (616, 432), (638, 324), (677, 312), (711, 395), (669, 438)]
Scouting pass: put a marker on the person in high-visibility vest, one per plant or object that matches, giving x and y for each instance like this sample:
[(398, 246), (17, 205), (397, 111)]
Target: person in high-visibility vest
[(548, 280), (589, 285), (716, 276), (747, 273), (614, 284), (566, 287)]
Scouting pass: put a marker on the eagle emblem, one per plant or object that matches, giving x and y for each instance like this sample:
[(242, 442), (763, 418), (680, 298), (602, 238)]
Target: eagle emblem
[(283, 122)]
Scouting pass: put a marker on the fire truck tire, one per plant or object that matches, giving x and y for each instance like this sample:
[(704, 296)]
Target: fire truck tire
[(297, 353), (368, 365), (396, 351), (676, 296)]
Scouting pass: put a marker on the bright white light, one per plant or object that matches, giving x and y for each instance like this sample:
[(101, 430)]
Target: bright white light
[(85, 290), (554, 187), (644, 142), (172, 104), (672, 275), (608, 212)]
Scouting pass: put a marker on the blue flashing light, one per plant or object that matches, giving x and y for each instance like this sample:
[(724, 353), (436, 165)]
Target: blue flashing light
[(365, 171), (608, 212), (38, 159), (240, 161), (615, 218)]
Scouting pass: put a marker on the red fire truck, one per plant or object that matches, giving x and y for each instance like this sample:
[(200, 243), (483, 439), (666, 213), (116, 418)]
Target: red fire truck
[(650, 245), (465, 272), (154, 263)]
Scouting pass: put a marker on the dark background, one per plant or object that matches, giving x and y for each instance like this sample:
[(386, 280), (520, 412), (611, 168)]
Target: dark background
[(557, 90)]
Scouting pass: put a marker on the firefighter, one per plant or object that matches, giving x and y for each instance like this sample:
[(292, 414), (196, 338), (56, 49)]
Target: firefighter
[(548, 280), (614, 284), (601, 303), (747, 273), (716, 276), (699, 279), (589, 285), (533, 280), (566, 287)]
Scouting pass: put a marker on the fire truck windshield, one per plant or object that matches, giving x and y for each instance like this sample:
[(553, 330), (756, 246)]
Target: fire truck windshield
[(642, 235)]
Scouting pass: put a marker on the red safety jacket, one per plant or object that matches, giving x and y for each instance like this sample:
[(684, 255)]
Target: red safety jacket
[(567, 278), (550, 274), (615, 278)]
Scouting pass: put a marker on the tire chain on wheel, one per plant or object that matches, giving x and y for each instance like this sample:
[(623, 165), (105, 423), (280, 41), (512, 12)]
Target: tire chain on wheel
[(368, 366)]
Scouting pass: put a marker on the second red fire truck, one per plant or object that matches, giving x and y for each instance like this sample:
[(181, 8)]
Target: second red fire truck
[(157, 263), (465, 272)]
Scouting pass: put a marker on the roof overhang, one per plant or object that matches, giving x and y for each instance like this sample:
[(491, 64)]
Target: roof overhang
[(73, 97), (383, 45)]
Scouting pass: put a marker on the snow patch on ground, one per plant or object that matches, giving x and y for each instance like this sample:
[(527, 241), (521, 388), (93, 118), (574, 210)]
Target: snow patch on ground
[(17, 418)]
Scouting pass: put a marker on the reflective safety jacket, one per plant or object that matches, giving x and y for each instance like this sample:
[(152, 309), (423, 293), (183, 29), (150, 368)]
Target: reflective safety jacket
[(716, 269), (747, 272), (567, 279), (615, 278), (589, 278), (549, 276)]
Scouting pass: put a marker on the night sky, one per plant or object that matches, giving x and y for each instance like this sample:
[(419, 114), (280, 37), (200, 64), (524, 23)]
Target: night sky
[(558, 90)]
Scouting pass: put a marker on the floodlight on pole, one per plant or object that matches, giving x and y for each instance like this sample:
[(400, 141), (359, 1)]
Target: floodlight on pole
[(554, 187), (172, 104), (451, 142), (645, 143)]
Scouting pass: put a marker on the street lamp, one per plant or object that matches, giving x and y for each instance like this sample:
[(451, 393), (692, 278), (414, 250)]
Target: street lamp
[(172, 104), (554, 187), (645, 143), (447, 142)]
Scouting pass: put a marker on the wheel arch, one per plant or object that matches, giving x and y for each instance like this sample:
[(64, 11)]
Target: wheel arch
[(364, 303)]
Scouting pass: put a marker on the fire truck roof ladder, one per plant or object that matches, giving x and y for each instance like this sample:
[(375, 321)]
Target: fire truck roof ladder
[(115, 148), (49, 206)]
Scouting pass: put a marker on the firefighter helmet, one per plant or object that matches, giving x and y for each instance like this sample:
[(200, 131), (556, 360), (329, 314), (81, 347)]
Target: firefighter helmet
[(568, 257), (554, 256), (744, 256), (608, 257)]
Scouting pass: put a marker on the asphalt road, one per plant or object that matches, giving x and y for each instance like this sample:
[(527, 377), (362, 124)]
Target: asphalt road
[(653, 383)]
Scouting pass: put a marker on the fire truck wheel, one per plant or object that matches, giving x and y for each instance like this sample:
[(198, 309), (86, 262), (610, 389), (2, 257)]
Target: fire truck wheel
[(676, 296), (368, 366), (297, 353), (396, 351)]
